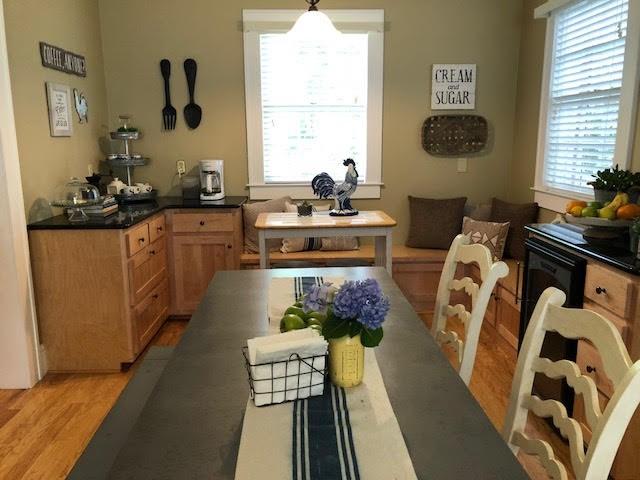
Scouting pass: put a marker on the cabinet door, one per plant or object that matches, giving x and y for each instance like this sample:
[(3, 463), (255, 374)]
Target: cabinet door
[(196, 260)]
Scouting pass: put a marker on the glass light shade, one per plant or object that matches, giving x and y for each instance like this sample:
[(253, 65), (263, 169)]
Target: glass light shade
[(314, 25)]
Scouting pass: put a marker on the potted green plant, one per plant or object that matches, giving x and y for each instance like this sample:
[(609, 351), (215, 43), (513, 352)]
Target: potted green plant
[(610, 181), (305, 209)]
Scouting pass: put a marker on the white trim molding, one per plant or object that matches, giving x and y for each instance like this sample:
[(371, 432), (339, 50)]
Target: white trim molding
[(20, 363), (256, 22), (554, 199)]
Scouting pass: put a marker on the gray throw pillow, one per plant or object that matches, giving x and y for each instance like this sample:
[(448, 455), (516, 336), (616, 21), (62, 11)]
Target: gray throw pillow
[(435, 222), (518, 215), (250, 212)]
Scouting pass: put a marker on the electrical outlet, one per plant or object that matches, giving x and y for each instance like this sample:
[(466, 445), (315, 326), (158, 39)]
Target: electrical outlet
[(181, 166), (462, 165)]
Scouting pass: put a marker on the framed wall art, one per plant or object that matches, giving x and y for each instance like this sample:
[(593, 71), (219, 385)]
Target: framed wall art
[(453, 86), (59, 104)]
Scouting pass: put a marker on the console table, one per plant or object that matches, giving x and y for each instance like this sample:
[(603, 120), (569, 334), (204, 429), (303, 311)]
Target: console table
[(375, 224)]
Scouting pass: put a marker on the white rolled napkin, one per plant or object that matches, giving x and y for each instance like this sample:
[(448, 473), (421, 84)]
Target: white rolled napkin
[(283, 373)]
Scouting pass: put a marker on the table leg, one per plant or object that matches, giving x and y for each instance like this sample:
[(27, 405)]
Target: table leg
[(264, 250), (384, 255)]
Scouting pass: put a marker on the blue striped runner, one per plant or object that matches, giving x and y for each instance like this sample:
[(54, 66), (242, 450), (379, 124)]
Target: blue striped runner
[(323, 446)]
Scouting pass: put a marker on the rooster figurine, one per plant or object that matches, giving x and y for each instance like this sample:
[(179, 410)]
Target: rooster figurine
[(325, 187), (82, 109)]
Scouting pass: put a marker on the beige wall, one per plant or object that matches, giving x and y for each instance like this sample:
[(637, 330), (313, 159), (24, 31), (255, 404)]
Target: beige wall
[(528, 107), (420, 33), (47, 162)]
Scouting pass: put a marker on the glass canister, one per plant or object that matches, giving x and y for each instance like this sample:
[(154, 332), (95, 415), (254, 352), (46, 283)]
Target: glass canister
[(346, 361)]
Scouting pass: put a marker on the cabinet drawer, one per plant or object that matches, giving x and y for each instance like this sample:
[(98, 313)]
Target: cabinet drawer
[(156, 228), (150, 313), (136, 239), (202, 222), (146, 269), (609, 289), (590, 364)]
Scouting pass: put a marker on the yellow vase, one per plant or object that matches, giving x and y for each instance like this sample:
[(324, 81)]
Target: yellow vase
[(346, 361)]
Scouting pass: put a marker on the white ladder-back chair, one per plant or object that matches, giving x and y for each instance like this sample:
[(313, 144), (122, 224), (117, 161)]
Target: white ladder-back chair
[(608, 427), (461, 251)]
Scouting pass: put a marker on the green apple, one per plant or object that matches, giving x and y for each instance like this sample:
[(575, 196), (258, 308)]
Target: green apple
[(291, 322), (596, 205), (317, 328), (319, 316), (293, 310), (589, 212), (313, 322)]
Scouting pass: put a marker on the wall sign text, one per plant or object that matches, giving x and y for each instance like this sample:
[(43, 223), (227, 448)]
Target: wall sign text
[(62, 60), (453, 87)]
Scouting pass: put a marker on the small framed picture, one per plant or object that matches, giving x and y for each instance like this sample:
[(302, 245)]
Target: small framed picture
[(59, 103)]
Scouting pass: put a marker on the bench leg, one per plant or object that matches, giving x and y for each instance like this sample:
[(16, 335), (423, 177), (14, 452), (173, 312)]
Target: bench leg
[(264, 251)]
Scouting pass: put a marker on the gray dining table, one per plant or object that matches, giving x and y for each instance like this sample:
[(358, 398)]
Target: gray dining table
[(190, 426)]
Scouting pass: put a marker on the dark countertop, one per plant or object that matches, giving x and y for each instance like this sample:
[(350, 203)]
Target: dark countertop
[(191, 424), (131, 214), (615, 253)]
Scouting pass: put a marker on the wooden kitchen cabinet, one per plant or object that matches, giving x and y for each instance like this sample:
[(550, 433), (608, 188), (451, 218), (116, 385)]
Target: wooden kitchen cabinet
[(101, 294), (203, 242)]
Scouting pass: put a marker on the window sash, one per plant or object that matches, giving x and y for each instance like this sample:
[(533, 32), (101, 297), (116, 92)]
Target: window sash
[(564, 163), (348, 21)]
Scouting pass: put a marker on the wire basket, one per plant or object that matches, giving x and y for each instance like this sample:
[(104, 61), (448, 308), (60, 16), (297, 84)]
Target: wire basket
[(286, 380)]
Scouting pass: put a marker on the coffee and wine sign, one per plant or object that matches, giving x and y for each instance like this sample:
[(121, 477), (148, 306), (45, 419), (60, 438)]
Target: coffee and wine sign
[(453, 87), (62, 60)]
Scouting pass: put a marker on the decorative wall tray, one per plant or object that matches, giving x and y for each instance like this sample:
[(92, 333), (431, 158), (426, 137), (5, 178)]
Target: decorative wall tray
[(454, 135)]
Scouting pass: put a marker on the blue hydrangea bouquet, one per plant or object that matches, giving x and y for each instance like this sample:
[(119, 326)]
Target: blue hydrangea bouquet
[(357, 307)]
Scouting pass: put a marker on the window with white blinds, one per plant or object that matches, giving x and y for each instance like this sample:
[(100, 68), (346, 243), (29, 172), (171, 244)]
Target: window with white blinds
[(584, 92), (314, 106), (312, 103)]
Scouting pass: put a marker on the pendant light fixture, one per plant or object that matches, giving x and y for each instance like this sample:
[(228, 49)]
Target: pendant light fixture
[(314, 25)]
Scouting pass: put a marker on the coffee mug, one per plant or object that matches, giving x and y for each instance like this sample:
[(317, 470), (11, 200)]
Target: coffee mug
[(131, 190)]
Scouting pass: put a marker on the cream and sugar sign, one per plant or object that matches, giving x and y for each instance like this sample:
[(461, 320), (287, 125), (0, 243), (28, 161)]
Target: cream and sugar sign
[(453, 87)]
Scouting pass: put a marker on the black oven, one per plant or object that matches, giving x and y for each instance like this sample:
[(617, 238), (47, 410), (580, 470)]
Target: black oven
[(549, 266)]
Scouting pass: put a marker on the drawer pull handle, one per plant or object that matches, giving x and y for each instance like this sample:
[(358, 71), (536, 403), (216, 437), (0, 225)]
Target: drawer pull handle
[(229, 246), (152, 252), (601, 290), (154, 296), (141, 241), (159, 229), (591, 369), (202, 223)]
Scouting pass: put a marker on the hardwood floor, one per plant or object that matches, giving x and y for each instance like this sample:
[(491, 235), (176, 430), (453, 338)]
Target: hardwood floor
[(44, 430), (491, 386)]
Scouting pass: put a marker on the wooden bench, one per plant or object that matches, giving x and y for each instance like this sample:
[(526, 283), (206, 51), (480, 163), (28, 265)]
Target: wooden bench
[(415, 270)]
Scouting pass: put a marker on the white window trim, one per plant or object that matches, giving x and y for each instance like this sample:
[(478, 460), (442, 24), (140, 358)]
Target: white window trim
[(555, 199), (347, 21)]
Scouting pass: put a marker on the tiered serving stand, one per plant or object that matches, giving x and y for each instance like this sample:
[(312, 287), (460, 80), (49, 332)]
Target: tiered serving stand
[(129, 161)]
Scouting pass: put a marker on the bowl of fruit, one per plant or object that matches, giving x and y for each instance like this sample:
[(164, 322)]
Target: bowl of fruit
[(618, 213)]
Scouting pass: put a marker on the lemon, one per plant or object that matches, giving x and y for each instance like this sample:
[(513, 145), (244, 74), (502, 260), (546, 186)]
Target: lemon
[(291, 322), (608, 213)]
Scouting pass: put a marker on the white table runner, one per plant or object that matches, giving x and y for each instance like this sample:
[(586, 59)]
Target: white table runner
[(346, 434)]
